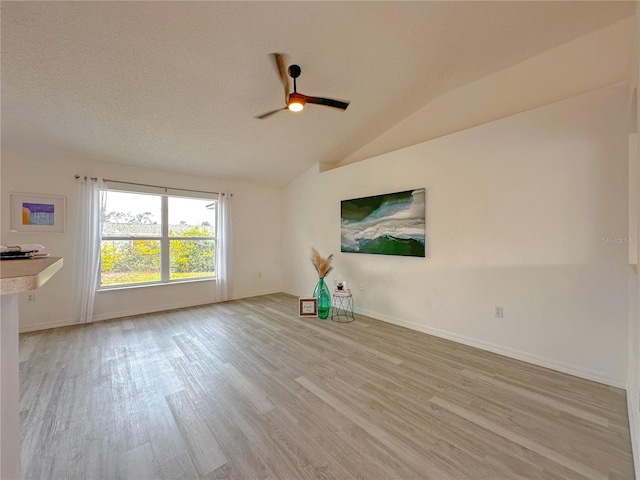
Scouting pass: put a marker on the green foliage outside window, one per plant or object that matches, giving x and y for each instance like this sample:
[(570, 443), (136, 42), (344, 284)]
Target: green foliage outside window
[(192, 255), (138, 261)]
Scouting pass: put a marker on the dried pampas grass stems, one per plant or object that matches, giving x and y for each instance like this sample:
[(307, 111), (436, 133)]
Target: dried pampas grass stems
[(323, 265)]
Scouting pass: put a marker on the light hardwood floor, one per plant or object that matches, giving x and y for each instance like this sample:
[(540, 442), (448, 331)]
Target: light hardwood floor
[(246, 389)]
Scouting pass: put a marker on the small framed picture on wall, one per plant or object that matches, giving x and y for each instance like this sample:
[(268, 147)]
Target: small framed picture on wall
[(37, 213)]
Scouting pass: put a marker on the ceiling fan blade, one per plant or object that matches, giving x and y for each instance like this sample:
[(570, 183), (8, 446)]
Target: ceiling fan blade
[(265, 115), (327, 102), (279, 59)]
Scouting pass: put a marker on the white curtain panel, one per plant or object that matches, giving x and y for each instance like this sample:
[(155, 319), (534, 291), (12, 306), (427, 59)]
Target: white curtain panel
[(224, 253), (87, 247)]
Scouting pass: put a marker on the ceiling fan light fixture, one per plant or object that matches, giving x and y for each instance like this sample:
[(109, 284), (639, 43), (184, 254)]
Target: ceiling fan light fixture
[(296, 106), (295, 101)]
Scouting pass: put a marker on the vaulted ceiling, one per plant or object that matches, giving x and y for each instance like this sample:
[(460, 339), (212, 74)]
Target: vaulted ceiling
[(176, 85)]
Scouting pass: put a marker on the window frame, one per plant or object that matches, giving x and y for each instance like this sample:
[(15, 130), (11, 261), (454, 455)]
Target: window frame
[(164, 238)]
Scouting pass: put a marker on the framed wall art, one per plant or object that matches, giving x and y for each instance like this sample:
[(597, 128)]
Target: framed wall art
[(37, 213), (390, 224), (309, 307)]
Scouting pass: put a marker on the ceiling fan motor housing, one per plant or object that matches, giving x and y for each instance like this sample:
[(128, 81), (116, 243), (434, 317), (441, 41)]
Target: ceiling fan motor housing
[(294, 71)]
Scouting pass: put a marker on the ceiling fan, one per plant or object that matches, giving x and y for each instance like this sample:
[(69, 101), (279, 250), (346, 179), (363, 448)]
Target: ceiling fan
[(296, 101)]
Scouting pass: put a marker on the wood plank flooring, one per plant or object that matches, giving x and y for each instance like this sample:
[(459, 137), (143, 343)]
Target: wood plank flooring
[(248, 390)]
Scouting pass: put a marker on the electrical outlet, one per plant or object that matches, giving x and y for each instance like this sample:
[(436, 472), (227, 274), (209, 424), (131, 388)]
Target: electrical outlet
[(259, 274), (362, 286), (31, 297), (499, 312)]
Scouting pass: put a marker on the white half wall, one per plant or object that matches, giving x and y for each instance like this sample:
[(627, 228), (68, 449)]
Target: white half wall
[(257, 229), (527, 212), (633, 380)]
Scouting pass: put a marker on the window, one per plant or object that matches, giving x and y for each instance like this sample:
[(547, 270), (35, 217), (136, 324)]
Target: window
[(149, 238)]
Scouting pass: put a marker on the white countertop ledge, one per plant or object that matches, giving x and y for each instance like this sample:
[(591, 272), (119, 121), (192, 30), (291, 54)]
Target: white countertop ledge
[(17, 276)]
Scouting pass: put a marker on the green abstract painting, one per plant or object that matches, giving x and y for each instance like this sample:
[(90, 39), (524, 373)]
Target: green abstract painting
[(391, 224)]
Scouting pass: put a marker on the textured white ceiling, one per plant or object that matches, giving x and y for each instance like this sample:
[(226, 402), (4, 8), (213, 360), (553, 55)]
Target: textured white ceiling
[(176, 85)]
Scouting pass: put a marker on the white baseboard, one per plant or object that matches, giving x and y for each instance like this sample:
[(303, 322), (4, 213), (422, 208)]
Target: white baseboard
[(633, 413), (146, 309), (45, 326), (133, 312), (472, 342), (173, 306), (112, 316), (533, 358), (241, 295)]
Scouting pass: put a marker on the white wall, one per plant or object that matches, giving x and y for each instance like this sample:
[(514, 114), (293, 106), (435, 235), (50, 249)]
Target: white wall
[(516, 214), (633, 379), (592, 61), (257, 228)]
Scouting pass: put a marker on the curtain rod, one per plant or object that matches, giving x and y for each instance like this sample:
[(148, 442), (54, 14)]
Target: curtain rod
[(154, 186)]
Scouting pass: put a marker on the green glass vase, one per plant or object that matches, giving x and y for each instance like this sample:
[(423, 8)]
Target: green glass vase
[(324, 299)]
